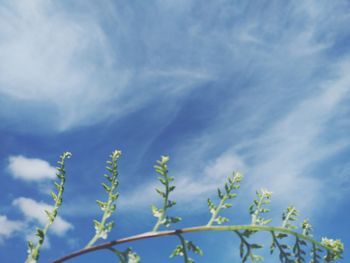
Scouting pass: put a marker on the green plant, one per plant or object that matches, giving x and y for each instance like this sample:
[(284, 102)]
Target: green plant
[(290, 241), (34, 250), (102, 228)]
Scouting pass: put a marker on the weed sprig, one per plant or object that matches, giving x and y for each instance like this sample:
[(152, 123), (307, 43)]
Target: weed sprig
[(34, 250), (293, 244), (102, 228)]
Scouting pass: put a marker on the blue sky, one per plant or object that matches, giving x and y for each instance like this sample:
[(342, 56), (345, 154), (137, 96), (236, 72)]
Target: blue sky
[(262, 87)]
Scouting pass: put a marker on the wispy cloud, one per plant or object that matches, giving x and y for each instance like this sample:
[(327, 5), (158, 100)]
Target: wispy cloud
[(30, 169), (285, 92), (34, 210), (64, 68), (296, 144)]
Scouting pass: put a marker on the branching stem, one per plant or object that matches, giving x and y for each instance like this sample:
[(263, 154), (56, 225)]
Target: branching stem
[(288, 216), (215, 214), (153, 234), (183, 243), (257, 211), (35, 251)]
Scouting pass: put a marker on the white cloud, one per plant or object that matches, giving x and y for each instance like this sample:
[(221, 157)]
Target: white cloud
[(34, 210), (9, 227), (30, 169)]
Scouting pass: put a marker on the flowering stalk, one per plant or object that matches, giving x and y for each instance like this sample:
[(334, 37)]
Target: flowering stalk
[(102, 228), (160, 213), (232, 184), (34, 250)]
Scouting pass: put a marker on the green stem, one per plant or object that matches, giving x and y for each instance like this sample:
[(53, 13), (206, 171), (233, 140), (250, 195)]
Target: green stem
[(166, 198), (215, 214), (285, 221), (103, 221), (282, 252), (257, 211), (107, 210), (118, 253), (34, 255), (247, 245), (191, 230), (183, 243)]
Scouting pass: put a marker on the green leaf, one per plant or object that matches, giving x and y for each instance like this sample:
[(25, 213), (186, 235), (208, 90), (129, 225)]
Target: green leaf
[(156, 212), (178, 251), (102, 205), (30, 246), (211, 206), (220, 194), (97, 225), (227, 205), (220, 220), (109, 226), (54, 196), (49, 216), (192, 247), (40, 233), (107, 188), (171, 220), (162, 194)]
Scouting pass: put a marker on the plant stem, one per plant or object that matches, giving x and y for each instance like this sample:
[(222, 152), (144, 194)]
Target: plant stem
[(34, 253), (161, 218), (215, 214), (257, 211), (112, 197), (103, 221), (152, 234), (244, 241), (183, 243), (289, 214)]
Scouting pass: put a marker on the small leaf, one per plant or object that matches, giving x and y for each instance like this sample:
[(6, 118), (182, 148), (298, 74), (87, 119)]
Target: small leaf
[(54, 196), (220, 220), (40, 233), (102, 205), (107, 188), (227, 205), (97, 225), (162, 194)]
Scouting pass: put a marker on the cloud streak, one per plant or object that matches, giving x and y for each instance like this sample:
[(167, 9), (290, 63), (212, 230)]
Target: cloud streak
[(285, 88), (67, 71)]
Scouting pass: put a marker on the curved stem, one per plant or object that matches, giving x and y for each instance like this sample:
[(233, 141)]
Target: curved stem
[(183, 243), (152, 234)]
